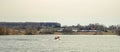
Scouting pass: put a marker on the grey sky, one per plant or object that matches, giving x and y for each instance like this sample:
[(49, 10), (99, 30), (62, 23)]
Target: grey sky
[(67, 12)]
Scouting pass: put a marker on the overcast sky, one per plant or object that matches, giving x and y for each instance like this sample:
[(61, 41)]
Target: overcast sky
[(66, 12)]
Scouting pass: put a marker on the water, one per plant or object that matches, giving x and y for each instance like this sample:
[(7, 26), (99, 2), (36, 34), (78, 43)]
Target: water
[(68, 43)]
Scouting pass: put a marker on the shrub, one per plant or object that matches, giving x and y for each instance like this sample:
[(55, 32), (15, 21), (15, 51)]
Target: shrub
[(118, 31)]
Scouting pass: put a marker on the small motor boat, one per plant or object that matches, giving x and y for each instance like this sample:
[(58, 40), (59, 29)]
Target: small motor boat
[(57, 38)]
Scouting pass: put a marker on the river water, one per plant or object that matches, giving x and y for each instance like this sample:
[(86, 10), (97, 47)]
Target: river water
[(68, 43)]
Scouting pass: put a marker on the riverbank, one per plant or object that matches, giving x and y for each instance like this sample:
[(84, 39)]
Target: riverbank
[(10, 31), (86, 33)]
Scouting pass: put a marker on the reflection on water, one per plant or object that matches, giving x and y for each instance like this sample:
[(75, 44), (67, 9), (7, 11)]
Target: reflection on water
[(68, 43)]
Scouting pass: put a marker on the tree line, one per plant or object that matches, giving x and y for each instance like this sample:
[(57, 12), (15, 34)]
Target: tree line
[(50, 28)]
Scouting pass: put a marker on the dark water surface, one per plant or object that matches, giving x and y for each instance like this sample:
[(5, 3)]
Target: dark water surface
[(68, 43)]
